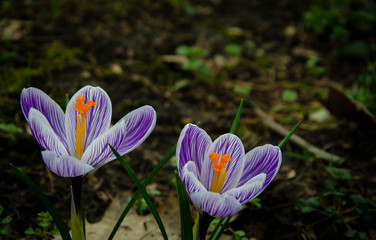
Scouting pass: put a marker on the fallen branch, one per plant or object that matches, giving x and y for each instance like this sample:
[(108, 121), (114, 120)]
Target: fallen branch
[(319, 153)]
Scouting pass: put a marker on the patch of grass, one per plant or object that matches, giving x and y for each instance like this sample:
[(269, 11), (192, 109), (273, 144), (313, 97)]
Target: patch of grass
[(59, 55), (289, 95), (313, 67), (234, 49), (195, 61), (5, 228), (46, 228), (347, 24), (337, 207), (9, 131), (240, 235), (364, 90)]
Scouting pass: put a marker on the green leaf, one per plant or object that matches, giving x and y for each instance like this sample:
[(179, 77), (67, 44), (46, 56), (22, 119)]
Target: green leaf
[(141, 188), (185, 214), (10, 128), (219, 228), (242, 89), (308, 205), (66, 100), (29, 231), (196, 234), (77, 231), (289, 95), (233, 49), (7, 220), (141, 205), (283, 142), (137, 193), (237, 118), (63, 229), (256, 202), (339, 173), (83, 213)]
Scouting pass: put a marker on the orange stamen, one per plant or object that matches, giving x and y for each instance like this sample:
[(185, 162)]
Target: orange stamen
[(82, 110), (219, 171)]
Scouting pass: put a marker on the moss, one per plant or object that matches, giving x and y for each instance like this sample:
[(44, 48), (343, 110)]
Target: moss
[(60, 55)]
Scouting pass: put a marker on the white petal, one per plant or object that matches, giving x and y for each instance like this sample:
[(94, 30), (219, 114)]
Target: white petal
[(65, 166), (216, 205), (190, 180), (192, 145), (248, 191), (226, 144), (97, 119), (44, 134), (124, 136), (99, 153), (37, 99), (265, 159)]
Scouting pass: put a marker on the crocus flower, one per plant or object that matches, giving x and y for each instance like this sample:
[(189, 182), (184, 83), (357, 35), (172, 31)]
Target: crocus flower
[(76, 142), (218, 176)]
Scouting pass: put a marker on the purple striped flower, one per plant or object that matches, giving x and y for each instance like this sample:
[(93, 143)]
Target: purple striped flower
[(76, 142), (218, 176)]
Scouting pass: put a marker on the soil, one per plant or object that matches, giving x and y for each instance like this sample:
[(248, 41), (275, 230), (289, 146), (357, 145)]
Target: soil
[(129, 49)]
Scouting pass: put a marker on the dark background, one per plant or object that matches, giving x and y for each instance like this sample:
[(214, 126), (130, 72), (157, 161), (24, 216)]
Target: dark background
[(193, 61)]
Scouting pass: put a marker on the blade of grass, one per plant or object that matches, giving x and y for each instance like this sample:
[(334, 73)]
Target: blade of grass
[(83, 213), (141, 188), (185, 213), (137, 193), (77, 230), (237, 118), (66, 100), (283, 142), (60, 224), (219, 228)]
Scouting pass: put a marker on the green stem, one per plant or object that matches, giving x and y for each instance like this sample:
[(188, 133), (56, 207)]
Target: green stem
[(77, 192), (201, 227)]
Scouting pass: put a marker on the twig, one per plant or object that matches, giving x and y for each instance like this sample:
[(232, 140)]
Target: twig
[(269, 122), (51, 178)]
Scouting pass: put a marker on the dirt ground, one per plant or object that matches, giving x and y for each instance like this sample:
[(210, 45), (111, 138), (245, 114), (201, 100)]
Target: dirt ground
[(326, 186)]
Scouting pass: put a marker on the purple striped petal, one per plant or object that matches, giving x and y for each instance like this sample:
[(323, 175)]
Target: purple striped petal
[(192, 145), (265, 159), (226, 144), (190, 180), (44, 134), (216, 205), (97, 119), (124, 136), (248, 191), (65, 166), (35, 98), (139, 124)]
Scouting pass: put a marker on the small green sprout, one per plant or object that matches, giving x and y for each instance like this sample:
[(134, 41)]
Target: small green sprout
[(9, 130), (5, 228), (195, 62), (289, 95), (241, 235), (46, 229), (313, 67), (233, 49)]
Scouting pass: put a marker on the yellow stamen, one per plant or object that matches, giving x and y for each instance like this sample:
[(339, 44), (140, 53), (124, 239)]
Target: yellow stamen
[(219, 171), (82, 110)]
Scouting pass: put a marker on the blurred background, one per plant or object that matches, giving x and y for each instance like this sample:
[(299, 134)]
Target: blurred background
[(193, 61)]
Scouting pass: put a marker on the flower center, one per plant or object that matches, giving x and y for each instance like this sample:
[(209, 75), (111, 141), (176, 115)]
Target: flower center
[(81, 109), (220, 171)]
